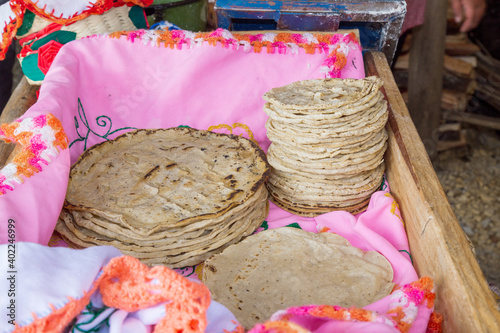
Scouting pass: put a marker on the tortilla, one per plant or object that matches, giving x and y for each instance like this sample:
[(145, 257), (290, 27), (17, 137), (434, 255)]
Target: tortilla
[(166, 196), (279, 268), (179, 174), (322, 95), (328, 141)]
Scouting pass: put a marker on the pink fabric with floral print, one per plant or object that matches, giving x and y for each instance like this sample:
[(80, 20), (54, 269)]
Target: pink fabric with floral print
[(99, 88)]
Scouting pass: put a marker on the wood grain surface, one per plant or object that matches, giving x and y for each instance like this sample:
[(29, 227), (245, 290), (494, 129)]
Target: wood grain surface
[(438, 246), (22, 98), (425, 82)]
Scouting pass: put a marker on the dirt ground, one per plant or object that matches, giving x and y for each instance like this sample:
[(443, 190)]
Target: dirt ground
[(470, 176)]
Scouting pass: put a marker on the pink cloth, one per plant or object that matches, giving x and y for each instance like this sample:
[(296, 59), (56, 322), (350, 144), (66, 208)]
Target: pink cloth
[(380, 228), (35, 215), (99, 88), (102, 87)]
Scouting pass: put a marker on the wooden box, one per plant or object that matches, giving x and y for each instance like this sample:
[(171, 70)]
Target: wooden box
[(378, 21), (438, 245)]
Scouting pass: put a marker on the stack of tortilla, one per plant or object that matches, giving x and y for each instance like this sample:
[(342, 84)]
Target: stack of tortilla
[(168, 196), (328, 142), (279, 268)]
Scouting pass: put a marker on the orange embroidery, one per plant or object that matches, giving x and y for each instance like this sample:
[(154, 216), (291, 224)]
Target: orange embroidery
[(10, 29), (283, 327), (238, 329), (231, 129), (328, 312), (395, 208), (61, 138), (198, 270), (335, 312), (435, 323), (24, 168)]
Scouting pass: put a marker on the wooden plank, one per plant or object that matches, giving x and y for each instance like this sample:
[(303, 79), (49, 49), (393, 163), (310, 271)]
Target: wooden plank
[(459, 44), (462, 141), (403, 61), (23, 96), (439, 247), (454, 65), (474, 119), (460, 37), (461, 48), (471, 59), (425, 81), (457, 83), (450, 81), (454, 101), (458, 66)]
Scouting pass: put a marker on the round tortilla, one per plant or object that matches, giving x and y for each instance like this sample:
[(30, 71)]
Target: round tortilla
[(166, 196), (324, 94), (152, 180), (328, 141), (284, 267)]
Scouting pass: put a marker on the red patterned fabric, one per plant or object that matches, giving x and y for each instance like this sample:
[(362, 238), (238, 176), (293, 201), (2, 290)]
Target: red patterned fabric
[(12, 18), (415, 14)]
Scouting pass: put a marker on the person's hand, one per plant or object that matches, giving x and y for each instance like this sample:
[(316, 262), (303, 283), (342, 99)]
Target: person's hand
[(469, 12)]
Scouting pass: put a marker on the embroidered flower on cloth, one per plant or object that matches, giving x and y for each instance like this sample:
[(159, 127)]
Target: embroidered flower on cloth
[(14, 12), (41, 138), (46, 55)]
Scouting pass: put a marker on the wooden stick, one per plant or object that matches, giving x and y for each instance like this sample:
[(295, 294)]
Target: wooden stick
[(461, 49), (438, 245), (450, 81), (450, 127), (426, 72), (458, 66), (474, 119), (444, 145)]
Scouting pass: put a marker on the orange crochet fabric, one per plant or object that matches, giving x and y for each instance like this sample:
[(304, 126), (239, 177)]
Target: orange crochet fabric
[(435, 323), (129, 285), (57, 321), (95, 8), (282, 327)]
